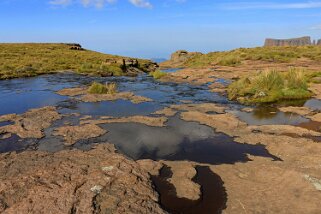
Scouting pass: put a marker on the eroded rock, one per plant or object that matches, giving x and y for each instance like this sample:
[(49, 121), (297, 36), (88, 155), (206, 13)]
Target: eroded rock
[(87, 97), (167, 111), (150, 121), (74, 182), (284, 130), (297, 110), (316, 117), (183, 173), (72, 134), (316, 90), (32, 123), (203, 107)]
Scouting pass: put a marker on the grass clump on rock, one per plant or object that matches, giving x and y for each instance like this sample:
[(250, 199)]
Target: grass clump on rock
[(98, 88), (157, 74), (271, 86)]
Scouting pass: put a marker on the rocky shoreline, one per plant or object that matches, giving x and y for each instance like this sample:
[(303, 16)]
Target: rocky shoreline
[(275, 168)]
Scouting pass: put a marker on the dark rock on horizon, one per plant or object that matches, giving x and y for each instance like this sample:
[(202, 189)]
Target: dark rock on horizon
[(302, 41)]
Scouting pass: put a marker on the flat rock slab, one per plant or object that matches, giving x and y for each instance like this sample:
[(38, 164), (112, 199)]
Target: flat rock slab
[(149, 121), (30, 124), (87, 97), (297, 110), (96, 181), (72, 134)]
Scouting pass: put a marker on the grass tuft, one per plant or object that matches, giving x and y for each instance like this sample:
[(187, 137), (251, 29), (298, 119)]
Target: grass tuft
[(98, 88), (157, 74), (271, 86)]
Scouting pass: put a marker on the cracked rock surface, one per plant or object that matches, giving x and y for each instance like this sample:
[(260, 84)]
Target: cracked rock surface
[(74, 181)]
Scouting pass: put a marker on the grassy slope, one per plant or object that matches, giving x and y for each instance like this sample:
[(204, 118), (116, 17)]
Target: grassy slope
[(22, 60), (269, 54)]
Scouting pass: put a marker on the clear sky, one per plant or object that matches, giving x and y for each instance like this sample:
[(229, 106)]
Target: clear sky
[(155, 28)]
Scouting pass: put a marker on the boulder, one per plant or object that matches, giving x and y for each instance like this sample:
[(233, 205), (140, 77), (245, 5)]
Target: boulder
[(131, 62), (182, 56)]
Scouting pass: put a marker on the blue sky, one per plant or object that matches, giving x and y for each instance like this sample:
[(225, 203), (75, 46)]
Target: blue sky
[(155, 28)]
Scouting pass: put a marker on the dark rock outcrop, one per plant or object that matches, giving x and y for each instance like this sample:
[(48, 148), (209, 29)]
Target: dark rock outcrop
[(75, 46), (131, 62), (130, 66), (319, 42), (288, 42)]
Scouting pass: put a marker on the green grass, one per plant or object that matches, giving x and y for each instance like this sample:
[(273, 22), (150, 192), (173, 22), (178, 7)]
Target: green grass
[(271, 86), (32, 59), (157, 74), (98, 88), (269, 54), (315, 77)]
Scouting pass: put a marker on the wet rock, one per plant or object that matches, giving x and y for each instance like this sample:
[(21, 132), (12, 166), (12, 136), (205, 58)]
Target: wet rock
[(168, 112), (297, 110), (87, 97), (316, 90), (72, 134), (203, 107), (5, 136), (109, 97), (150, 121), (316, 117), (73, 182), (183, 173), (32, 123), (284, 130), (248, 110), (226, 123), (218, 88), (72, 91), (150, 166)]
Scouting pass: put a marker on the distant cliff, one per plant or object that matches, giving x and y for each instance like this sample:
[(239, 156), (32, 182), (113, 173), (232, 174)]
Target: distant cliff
[(289, 42)]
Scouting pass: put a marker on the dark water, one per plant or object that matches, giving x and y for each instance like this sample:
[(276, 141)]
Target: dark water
[(14, 143), (5, 123), (119, 108), (311, 125), (178, 140), (313, 104), (269, 116), (213, 194), (171, 70), (20, 95), (223, 81)]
